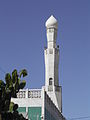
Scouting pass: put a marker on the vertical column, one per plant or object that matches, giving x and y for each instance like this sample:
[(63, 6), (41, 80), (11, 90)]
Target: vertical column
[(26, 93)]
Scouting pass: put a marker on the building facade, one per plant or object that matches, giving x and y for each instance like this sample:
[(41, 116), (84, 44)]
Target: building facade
[(45, 103)]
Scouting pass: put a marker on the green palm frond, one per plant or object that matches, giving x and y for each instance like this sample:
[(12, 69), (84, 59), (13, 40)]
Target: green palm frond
[(23, 72)]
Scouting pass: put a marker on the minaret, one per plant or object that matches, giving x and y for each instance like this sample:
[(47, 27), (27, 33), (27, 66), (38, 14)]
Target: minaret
[(52, 62), (51, 53)]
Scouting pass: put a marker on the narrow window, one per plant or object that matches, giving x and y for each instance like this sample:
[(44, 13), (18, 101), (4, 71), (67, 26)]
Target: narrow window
[(50, 81)]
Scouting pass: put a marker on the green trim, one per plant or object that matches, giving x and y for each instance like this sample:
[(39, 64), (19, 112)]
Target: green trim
[(22, 109), (34, 113)]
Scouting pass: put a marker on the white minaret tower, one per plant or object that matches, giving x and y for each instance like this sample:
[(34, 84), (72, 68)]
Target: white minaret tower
[(51, 63), (51, 53)]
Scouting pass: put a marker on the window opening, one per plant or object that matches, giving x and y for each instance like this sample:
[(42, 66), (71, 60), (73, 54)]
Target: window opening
[(50, 81)]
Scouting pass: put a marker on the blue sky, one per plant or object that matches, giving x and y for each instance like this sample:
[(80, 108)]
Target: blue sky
[(22, 41)]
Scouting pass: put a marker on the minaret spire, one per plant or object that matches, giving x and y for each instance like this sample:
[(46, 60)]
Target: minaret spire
[(51, 27), (51, 22)]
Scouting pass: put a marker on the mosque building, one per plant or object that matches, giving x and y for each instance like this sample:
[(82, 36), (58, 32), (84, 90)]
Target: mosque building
[(45, 103)]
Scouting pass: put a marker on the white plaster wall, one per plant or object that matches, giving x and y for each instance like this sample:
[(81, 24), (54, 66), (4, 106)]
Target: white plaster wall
[(28, 102), (56, 97)]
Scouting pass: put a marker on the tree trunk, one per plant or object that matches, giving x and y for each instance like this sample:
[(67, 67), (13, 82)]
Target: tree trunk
[(0, 117)]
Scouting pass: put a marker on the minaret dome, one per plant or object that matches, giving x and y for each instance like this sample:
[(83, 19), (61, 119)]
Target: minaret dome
[(51, 22), (51, 28)]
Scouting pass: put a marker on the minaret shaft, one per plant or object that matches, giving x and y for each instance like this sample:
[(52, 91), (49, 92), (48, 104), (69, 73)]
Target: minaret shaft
[(51, 37), (51, 66)]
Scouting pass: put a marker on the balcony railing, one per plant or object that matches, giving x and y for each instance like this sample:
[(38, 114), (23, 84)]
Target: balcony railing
[(31, 93)]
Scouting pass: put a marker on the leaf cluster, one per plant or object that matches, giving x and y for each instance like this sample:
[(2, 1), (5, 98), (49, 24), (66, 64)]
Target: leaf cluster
[(9, 89)]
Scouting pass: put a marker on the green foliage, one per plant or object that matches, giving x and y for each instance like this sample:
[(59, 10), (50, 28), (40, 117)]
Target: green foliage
[(8, 79), (11, 106), (22, 84), (10, 88), (23, 72)]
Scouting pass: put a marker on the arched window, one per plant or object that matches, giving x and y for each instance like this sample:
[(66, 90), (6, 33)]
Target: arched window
[(50, 81)]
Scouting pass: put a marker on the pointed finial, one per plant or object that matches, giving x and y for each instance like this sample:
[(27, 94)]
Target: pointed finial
[(51, 22)]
